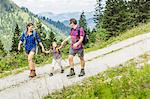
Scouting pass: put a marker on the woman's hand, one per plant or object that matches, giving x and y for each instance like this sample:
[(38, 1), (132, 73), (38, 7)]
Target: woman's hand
[(43, 50), (19, 46)]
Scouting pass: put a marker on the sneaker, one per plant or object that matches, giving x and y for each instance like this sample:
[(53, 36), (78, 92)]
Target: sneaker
[(62, 71), (32, 73), (51, 74), (82, 73), (72, 73)]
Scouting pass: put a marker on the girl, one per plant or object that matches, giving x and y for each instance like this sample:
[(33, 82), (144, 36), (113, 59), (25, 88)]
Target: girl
[(57, 57)]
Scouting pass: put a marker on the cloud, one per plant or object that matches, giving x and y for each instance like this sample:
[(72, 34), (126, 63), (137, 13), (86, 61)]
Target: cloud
[(57, 6)]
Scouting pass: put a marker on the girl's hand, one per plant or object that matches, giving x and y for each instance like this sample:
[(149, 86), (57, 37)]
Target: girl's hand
[(57, 50), (60, 47), (47, 52)]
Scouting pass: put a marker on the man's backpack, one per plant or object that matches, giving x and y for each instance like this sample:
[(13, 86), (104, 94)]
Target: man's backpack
[(85, 38)]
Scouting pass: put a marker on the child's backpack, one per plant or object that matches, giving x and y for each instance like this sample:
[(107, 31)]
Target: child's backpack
[(85, 38)]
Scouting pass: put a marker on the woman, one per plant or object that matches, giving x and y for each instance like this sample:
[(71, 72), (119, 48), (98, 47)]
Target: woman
[(30, 37)]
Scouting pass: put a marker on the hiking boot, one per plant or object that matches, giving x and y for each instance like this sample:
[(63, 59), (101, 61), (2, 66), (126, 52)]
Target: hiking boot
[(51, 74), (62, 71), (72, 73), (32, 73), (82, 73)]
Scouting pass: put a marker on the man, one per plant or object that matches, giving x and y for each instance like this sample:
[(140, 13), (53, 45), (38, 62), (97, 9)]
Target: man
[(76, 47), (30, 38)]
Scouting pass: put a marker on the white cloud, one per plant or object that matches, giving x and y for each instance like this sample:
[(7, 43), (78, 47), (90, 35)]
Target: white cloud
[(57, 6)]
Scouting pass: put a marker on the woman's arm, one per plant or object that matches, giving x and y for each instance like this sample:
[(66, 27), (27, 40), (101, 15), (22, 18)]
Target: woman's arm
[(43, 50), (21, 41), (40, 42)]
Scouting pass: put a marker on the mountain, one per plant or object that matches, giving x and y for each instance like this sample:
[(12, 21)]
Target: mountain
[(57, 24), (64, 17), (11, 15)]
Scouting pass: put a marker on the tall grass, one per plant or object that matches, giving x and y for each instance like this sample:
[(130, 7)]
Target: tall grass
[(125, 82)]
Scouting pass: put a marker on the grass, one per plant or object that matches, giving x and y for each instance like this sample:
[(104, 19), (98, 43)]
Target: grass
[(18, 63), (128, 81), (14, 65), (141, 29)]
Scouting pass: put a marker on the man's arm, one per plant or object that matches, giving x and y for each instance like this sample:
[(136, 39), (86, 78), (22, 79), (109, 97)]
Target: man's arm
[(82, 33), (79, 42), (62, 44)]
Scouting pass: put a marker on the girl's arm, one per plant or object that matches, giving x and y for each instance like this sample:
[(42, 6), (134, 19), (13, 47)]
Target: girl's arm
[(50, 51)]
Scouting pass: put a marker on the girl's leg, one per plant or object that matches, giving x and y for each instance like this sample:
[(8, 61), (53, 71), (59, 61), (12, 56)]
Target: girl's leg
[(60, 64), (53, 64)]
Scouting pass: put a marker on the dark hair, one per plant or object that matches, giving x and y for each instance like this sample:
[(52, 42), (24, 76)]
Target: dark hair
[(73, 20), (28, 25)]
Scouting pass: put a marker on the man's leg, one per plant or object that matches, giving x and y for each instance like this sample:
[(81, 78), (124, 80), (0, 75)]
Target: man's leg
[(82, 62), (71, 63)]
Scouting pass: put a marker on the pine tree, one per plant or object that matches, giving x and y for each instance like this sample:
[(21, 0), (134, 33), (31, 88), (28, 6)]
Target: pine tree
[(98, 13), (15, 39), (139, 11), (82, 21), (42, 34), (1, 46), (51, 38), (115, 17)]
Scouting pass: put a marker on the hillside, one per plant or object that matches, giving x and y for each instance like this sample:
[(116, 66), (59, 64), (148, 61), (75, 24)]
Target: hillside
[(11, 15), (64, 17)]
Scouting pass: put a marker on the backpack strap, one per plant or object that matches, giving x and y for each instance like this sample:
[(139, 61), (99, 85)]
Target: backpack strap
[(78, 28)]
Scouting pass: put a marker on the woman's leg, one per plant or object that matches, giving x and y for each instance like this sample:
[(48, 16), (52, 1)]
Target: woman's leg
[(30, 60), (31, 64)]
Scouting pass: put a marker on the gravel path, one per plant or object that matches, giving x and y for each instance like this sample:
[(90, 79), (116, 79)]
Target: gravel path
[(21, 87)]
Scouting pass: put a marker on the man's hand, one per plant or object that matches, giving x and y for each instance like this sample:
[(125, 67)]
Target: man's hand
[(75, 45)]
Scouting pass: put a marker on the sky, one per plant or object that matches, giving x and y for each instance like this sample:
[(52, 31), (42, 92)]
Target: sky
[(57, 6)]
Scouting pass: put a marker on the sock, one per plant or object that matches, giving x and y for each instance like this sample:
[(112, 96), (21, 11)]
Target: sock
[(72, 69)]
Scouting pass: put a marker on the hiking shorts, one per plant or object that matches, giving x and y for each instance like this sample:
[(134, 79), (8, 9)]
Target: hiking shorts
[(32, 50), (73, 52)]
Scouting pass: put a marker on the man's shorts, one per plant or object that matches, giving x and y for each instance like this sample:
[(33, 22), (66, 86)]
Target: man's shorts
[(73, 52), (32, 50)]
